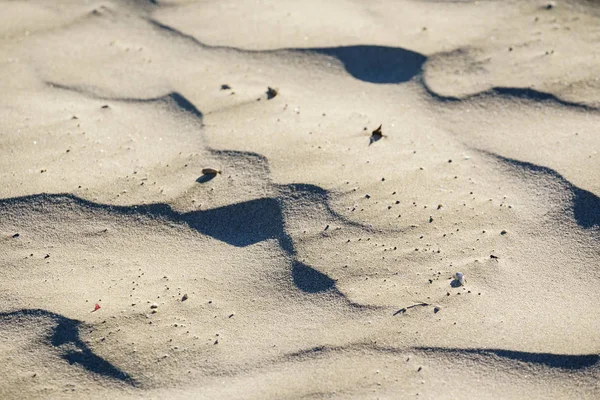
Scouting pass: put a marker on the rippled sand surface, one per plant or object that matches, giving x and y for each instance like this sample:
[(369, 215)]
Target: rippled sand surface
[(320, 261)]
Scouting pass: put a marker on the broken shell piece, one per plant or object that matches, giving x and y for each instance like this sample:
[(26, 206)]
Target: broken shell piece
[(210, 171), (460, 278), (378, 132), (376, 135), (271, 93)]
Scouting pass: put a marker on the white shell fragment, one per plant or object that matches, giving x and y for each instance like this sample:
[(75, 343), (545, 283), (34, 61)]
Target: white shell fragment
[(460, 278)]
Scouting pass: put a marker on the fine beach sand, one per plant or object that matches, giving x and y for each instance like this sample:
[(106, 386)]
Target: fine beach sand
[(319, 262)]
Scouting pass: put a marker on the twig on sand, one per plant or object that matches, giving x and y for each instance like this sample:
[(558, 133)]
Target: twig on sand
[(403, 310)]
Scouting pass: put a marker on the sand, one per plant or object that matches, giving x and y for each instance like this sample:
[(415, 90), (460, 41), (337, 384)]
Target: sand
[(320, 261)]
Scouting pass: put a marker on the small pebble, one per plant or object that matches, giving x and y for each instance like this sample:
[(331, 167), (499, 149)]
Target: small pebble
[(460, 278), (210, 171)]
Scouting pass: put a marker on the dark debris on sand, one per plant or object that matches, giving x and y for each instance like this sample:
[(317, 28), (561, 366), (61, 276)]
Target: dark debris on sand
[(271, 93)]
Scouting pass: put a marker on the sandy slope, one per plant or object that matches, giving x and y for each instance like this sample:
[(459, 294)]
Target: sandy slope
[(300, 261)]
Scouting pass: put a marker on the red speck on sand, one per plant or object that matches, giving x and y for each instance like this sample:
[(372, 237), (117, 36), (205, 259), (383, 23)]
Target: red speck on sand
[(96, 307)]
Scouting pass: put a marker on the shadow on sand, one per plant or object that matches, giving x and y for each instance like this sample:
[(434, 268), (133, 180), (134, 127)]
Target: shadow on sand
[(562, 361), (240, 224), (65, 336), (586, 205)]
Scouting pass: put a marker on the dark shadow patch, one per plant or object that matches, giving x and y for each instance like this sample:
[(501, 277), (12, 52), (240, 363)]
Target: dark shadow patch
[(205, 178), (181, 102), (376, 64), (309, 280), (455, 283), (527, 94), (239, 224), (374, 139), (535, 96), (586, 208), (586, 205), (561, 361), (65, 336)]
